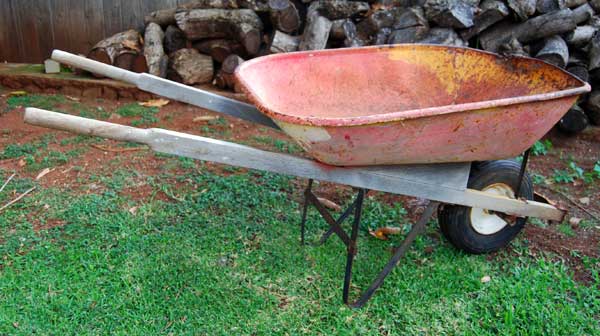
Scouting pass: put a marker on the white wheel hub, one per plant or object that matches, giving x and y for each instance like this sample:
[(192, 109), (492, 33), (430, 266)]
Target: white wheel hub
[(485, 222)]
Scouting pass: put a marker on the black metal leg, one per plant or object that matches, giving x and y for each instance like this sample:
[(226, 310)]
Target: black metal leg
[(522, 172), (340, 220), (304, 211), (412, 235), (353, 244)]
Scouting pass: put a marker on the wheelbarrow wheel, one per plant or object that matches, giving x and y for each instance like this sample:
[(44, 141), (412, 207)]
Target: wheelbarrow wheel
[(476, 230)]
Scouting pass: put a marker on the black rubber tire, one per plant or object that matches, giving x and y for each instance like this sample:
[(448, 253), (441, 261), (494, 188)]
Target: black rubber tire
[(455, 221)]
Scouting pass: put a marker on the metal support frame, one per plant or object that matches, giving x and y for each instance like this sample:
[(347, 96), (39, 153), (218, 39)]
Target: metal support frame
[(351, 241)]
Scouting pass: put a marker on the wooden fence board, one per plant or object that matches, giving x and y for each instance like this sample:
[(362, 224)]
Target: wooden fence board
[(9, 39), (30, 29)]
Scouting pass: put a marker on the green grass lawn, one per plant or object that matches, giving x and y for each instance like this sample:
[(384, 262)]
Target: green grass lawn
[(225, 259)]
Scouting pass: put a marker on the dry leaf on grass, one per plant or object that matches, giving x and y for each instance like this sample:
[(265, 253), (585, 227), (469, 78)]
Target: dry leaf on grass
[(133, 210), (22, 163), (383, 232), (155, 102), (204, 118), (329, 204), (17, 93), (43, 173), (486, 279)]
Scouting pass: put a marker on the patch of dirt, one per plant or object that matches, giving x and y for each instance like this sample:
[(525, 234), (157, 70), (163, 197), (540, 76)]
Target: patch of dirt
[(570, 249)]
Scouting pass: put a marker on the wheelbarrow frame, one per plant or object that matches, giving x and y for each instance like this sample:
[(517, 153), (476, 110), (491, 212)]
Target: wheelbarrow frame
[(438, 183)]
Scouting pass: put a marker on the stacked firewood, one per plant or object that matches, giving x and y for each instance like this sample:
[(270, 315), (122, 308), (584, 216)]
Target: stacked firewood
[(205, 40)]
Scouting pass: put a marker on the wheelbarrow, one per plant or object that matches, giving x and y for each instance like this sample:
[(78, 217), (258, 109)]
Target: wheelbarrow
[(426, 121)]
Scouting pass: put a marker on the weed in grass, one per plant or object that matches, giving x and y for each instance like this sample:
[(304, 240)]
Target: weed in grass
[(12, 151), (281, 145), (566, 229), (40, 101), (538, 222), (541, 147), (80, 139), (538, 178), (147, 114)]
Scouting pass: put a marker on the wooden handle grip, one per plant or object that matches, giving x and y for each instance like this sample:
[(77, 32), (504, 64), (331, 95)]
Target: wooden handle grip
[(66, 122), (95, 66)]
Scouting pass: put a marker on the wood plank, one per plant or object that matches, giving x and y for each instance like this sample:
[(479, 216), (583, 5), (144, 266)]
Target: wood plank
[(112, 17), (132, 15), (398, 179), (9, 37), (34, 23), (61, 10), (94, 29)]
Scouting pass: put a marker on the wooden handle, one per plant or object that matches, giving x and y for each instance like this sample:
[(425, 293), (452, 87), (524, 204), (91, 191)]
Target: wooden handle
[(95, 66), (85, 126)]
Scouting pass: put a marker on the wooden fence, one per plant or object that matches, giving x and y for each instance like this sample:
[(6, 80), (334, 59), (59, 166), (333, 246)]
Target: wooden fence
[(30, 29)]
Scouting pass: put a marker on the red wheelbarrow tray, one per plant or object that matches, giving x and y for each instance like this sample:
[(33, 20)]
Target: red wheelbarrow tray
[(404, 104)]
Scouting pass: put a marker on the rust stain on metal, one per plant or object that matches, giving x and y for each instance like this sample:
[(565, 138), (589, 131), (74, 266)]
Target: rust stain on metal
[(410, 103)]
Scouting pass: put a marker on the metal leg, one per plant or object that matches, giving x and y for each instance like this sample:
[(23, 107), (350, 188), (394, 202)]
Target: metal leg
[(304, 211), (340, 220), (412, 235), (353, 244), (522, 172), (351, 241)]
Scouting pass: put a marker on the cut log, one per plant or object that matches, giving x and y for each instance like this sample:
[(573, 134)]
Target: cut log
[(166, 17), (337, 30), (382, 36), (492, 11), (316, 33), (285, 17), (592, 107), (240, 24), (339, 9), (352, 37), (219, 49), (259, 6), (450, 13), (582, 13), (411, 17), (580, 71), (547, 6), (174, 39), (231, 63), (283, 42), (574, 121), (581, 36), (512, 47), (574, 3), (123, 50), (555, 51), (539, 27), (408, 35), (225, 78), (523, 9), (163, 17), (444, 36), (594, 53), (375, 22), (156, 59), (191, 66)]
